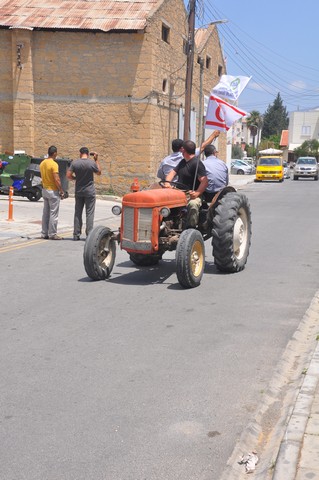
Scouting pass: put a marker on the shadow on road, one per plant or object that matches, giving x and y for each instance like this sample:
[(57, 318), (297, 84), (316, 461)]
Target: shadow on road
[(157, 274)]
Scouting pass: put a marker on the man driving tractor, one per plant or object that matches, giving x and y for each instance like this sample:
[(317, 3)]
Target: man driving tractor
[(192, 174)]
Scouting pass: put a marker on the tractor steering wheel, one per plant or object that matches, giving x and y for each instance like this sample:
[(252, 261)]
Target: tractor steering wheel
[(175, 185)]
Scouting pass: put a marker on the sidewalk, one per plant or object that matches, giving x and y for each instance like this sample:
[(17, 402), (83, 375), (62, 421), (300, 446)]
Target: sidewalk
[(298, 457), (26, 223)]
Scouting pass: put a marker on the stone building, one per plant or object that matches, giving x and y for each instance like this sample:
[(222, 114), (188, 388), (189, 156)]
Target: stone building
[(109, 75)]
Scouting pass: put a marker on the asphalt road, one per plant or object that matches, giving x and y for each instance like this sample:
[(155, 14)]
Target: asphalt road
[(135, 378)]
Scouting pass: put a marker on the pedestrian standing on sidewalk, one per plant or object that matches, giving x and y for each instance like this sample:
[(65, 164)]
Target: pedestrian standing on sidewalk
[(52, 192), (82, 172)]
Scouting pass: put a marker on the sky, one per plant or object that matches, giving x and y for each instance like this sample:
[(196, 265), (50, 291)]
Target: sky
[(275, 42)]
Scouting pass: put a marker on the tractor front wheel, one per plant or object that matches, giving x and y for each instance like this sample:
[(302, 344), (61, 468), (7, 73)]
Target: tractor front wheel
[(231, 233), (190, 258), (99, 253)]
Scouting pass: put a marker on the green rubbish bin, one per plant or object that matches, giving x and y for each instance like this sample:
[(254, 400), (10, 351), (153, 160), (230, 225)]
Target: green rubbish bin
[(18, 164), (64, 164)]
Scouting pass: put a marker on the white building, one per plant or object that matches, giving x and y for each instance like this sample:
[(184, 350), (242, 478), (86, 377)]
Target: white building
[(303, 125), (241, 134)]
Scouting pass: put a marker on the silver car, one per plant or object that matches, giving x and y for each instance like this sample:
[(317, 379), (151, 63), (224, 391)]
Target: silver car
[(239, 167), (306, 167)]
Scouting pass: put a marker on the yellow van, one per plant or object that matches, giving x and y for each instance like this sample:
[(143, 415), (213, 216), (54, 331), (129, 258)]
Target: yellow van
[(270, 168)]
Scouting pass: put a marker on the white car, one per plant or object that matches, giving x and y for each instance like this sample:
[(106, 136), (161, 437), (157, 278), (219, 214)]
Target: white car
[(306, 167)]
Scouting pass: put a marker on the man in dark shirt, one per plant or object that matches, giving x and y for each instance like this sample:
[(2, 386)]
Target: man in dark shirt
[(170, 162), (192, 173), (82, 171)]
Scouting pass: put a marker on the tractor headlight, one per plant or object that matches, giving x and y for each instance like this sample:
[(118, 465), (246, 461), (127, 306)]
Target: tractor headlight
[(165, 212), (117, 210)]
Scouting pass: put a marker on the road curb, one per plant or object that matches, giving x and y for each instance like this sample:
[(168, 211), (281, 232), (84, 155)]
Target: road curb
[(267, 434), (292, 443), (111, 198)]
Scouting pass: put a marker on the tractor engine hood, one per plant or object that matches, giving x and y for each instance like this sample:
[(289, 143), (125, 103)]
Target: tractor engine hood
[(164, 197)]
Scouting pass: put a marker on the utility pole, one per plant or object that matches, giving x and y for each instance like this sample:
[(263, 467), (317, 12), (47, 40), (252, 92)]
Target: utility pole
[(200, 113), (189, 68)]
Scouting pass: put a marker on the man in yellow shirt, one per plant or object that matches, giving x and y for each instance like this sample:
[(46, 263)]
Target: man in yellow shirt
[(51, 192)]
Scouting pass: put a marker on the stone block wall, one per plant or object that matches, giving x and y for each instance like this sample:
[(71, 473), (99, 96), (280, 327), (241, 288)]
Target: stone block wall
[(168, 75), (6, 105)]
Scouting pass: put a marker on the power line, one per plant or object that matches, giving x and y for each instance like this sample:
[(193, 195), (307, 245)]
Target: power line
[(267, 73)]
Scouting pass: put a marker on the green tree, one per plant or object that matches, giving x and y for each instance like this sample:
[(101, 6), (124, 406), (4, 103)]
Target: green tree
[(275, 119), (272, 142), (251, 151), (309, 148), (236, 151), (254, 120)]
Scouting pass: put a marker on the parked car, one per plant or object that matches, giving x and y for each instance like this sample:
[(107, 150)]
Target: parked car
[(239, 167), (286, 170), (249, 160), (306, 167)]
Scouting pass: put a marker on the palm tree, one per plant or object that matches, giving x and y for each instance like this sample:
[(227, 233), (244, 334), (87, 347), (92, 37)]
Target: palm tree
[(254, 123)]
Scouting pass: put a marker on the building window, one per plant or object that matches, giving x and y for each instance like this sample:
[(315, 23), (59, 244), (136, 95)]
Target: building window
[(165, 33), (220, 70), (306, 130), (164, 86), (208, 61)]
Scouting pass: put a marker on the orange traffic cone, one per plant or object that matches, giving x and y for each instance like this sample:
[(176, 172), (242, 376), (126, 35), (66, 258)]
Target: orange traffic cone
[(10, 210)]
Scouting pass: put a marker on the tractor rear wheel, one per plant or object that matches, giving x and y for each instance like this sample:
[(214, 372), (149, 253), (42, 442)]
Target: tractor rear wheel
[(99, 253), (145, 260), (190, 258), (231, 233)]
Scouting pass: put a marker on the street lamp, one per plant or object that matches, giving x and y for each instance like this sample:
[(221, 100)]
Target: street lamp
[(214, 22), (190, 65)]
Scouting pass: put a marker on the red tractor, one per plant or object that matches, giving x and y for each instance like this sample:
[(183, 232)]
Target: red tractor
[(153, 222)]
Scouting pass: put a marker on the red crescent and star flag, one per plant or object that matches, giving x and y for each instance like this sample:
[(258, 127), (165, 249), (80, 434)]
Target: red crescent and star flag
[(221, 115)]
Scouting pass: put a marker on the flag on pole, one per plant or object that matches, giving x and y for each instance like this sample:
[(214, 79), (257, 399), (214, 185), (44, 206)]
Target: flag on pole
[(221, 115), (230, 87)]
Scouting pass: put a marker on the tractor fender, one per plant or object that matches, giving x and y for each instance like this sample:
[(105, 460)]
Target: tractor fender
[(215, 201), (219, 195)]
